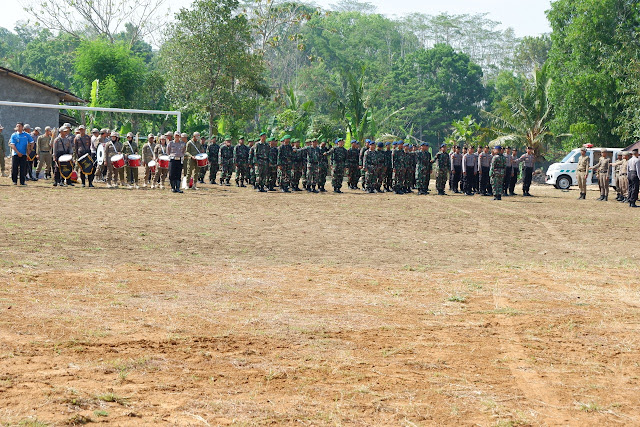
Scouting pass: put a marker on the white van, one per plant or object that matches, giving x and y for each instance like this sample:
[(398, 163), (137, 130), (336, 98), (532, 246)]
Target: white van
[(563, 174)]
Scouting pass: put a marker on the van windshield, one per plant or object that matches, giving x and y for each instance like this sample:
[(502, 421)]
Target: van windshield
[(572, 157)]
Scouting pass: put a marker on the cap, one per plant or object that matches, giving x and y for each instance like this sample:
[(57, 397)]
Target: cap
[(635, 150), (79, 127), (46, 128), (151, 136), (104, 130), (38, 129), (163, 137), (95, 130), (176, 133), (184, 135), (115, 134), (603, 150), (196, 134), (63, 128), (583, 149), (27, 126), (129, 134)]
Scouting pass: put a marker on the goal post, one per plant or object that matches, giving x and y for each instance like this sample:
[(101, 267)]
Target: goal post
[(178, 114)]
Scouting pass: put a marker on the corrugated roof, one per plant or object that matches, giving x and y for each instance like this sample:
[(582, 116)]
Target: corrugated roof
[(63, 94)]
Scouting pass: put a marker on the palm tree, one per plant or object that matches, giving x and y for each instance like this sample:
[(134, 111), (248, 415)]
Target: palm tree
[(524, 119)]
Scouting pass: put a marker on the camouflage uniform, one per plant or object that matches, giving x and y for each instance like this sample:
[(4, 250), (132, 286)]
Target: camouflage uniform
[(381, 169), (353, 172), (443, 163), (398, 165), (496, 174), (213, 150), (369, 164), (225, 158), (423, 171), (261, 159), (297, 169), (252, 164), (273, 167), (313, 165), (323, 168), (241, 160), (387, 180), (285, 165), (338, 160)]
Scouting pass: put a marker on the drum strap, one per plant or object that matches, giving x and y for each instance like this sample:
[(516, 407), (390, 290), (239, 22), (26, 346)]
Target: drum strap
[(130, 147), (194, 146)]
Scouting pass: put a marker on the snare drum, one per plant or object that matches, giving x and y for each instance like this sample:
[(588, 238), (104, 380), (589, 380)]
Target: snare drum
[(117, 161), (202, 159), (65, 165), (100, 154), (86, 164), (163, 162), (152, 166), (133, 160)]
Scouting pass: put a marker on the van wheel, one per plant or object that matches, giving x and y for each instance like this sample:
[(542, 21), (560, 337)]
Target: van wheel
[(563, 182)]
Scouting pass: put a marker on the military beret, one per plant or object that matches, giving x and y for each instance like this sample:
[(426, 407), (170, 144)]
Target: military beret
[(529, 148), (401, 142), (227, 138), (306, 141), (338, 140), (368, 141), (262, 133), (241, 137), (271, 139), (635, 150), (380, 144), (353, 141), (497, 147), (424, 144), (387, 143), (443, 145), (286, 137)]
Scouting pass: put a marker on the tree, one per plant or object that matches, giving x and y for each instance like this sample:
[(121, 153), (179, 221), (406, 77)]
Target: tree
[(585, 49), (104, 18), (435, 87), (525, 119), (209, 64), (531, 53)]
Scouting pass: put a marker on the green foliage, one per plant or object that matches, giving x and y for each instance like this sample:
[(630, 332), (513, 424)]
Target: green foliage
[(524, 120), (581, 133), (119, 71), (531, 53), (433, 87), (209, 64), (584, 42)]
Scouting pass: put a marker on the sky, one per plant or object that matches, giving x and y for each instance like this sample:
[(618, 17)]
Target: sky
[(527, 18)]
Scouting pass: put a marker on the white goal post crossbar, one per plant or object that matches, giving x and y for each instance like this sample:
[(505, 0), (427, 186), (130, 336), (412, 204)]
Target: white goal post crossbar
[(81, 108)]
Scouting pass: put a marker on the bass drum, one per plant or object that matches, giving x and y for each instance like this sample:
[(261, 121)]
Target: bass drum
[(100, 154)]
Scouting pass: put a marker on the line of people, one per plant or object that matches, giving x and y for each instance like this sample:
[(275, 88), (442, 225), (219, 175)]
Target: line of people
[(266, 163)]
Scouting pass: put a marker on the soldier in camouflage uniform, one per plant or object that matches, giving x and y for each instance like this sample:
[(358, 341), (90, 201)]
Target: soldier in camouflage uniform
[(380, 167), (323, 170), (241, 162), (339, 161), (285, 164), (313, 155), (251, 160), (369, 164), (353, 171), (410, 169), (213, 150), (261, 158), (444, 164), (387, 180), (398, 166), (297, 166), (496, 172), (303, 154), (225, 158), (363, 150), (423, 168), (273, 164)]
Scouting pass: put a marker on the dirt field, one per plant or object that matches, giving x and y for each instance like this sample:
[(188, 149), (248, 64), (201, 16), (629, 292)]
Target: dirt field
[(225, 306)]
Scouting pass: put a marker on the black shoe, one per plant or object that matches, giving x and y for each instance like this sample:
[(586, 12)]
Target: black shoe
[(322, 190), (242, 185), (601, 198), (71, 184), (371, 191), (91, 186), (55, 184), (313, 189)]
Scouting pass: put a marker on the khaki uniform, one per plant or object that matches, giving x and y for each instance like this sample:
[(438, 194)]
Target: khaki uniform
[(147, 156), (43, 147), (193, 171), (622, 183), (130, 147), (111, 149), (161, 174), (602, 168), (582, 171)]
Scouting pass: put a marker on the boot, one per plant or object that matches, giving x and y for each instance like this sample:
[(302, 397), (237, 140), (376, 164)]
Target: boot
[(336, 190), (313, 189), (580, 196), (321, 188), (606, 198)]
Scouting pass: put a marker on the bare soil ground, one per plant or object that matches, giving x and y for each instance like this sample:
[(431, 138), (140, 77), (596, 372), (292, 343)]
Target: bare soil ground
[(224, 306)]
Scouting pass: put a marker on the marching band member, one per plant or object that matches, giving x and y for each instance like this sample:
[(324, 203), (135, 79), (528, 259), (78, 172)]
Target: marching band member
[(61, 145), (111, 148), (176, 150), (82, 146), (130, 147), (160, 150), (147, 156)]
